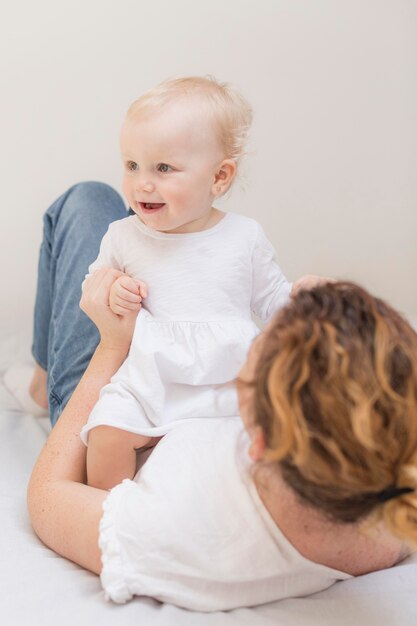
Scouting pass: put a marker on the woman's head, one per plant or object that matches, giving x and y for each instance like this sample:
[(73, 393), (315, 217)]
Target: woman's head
[(335, 397), (181, 144)]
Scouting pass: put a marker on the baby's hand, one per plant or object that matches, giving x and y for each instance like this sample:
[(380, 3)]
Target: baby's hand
[(126, 295), (308, 282)]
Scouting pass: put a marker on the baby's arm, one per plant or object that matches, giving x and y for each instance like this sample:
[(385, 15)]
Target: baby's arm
[(270, 288), (111, 455), (126, 293), (109, 254)]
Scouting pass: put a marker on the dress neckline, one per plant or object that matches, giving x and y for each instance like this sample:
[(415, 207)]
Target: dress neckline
[(156, 234)]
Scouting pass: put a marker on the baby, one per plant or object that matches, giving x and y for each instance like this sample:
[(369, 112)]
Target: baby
[(197, 273)]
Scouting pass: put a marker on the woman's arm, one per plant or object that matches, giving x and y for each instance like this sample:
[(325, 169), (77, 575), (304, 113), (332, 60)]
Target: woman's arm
[(65, 513)]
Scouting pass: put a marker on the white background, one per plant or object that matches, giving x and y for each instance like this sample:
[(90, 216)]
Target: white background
[(332, 170)]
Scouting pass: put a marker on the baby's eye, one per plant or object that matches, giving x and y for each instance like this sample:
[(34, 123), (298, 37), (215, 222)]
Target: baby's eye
[(131, 166), (163, 167)]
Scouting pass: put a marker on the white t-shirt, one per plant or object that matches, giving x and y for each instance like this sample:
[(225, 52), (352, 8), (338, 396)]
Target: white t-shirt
[(194, 330), (191, 529)]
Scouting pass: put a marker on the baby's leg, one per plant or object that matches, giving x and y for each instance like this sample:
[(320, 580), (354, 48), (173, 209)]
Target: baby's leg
[(111, 455)]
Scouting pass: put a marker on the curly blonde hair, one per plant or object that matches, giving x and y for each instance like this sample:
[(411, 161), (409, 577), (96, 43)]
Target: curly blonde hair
[(336, 396), (224, 106)]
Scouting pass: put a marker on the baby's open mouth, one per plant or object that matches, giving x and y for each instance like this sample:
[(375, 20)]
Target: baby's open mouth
[(152, 205)]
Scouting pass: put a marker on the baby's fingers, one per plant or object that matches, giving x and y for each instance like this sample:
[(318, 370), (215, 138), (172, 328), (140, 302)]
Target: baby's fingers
[(143, 288), (126, 294), (127, 283), (125, 309), (130, 305)]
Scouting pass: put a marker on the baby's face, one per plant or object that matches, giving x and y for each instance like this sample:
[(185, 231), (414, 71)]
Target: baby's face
[(170, 160)]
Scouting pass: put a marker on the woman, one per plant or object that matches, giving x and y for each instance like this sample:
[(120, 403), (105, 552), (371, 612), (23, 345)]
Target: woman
[(324, 490)]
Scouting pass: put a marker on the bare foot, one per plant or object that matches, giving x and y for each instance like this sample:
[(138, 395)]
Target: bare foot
[(37, 387), (28, 387)]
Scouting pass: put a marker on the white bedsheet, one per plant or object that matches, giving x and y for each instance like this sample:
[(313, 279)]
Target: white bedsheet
[(39, 587)]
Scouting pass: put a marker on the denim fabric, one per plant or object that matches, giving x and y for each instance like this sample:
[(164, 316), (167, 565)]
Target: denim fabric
[(64, 338)]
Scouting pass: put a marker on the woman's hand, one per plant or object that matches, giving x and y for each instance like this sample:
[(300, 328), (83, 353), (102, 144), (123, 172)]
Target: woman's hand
[(115, 331)]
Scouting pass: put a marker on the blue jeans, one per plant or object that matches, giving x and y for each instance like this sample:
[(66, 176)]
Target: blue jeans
[(64, 338)]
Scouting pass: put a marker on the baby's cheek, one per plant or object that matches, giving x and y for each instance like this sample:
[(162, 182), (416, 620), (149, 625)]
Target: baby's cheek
[(127, 190)]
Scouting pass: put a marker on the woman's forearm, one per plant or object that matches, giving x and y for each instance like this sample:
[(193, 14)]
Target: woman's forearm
[(63, 456), (65, 513), (57, 478)]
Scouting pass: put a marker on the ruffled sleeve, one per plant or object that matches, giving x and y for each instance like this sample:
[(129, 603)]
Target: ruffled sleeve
[(113, 574)]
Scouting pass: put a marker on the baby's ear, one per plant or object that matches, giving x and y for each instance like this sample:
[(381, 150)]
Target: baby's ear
[(224, 176)]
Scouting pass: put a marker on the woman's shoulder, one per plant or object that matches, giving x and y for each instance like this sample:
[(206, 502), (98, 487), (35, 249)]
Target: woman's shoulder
[(195, 456), (196, 437), (352, 548)]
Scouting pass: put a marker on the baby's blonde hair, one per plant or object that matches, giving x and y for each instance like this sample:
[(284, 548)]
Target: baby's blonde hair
[(228, 110), (336, 397)]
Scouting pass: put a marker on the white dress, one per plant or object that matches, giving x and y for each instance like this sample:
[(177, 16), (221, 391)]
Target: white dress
[(191, 529), (195, 327)]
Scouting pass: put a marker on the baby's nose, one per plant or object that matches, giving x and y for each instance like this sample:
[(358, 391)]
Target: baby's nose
[(148, 186)]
